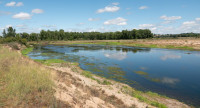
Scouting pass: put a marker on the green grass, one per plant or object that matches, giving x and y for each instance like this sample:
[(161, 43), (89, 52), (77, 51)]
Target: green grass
[(27, 51), (90, 75), (140, 96), (87, 74), (50, 61), (105, 82), (22, 82)]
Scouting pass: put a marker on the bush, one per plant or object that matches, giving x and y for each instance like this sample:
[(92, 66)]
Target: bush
[(23, 41), (14, 45)]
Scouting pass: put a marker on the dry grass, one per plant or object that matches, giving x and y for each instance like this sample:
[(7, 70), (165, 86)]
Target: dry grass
[(23, 83)]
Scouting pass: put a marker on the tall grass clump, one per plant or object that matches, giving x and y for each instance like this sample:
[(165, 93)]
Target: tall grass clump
[(23, 83)]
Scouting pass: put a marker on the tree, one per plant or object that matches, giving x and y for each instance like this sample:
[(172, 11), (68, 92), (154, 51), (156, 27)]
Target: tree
[(4, 33), (10, 32)]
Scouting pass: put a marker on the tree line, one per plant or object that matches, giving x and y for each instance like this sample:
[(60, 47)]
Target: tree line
[(197, 35), (62, 35)]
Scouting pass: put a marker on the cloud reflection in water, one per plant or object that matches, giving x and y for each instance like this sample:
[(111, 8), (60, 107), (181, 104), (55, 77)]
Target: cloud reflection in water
[(116, 56)]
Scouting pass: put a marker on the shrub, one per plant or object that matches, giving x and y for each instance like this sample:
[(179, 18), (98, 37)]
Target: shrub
[(23, 42)]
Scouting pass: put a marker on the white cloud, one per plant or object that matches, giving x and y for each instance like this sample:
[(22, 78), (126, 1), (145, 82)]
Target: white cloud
[(165, 28), (189, 23), (117, 21), (146, 25), (20, 4), (10, 4), (22, 16), (108, 9), (37, 11), (115, 3), (164, 17), (116, 56), (143, 7), (93, 19), (197, 19)]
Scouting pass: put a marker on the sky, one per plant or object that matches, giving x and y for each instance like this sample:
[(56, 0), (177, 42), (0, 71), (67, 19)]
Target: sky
[(160, 16)]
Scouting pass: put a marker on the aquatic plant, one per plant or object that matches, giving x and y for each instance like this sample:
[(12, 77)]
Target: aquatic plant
[(50, 61), (141, 72), (27, 50)]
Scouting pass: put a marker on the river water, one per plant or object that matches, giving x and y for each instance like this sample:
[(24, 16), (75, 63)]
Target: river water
[(174, 73)]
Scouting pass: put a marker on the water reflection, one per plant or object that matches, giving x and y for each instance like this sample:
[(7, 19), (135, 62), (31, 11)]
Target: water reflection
[(116, 56), (170, 56), (167, 80)]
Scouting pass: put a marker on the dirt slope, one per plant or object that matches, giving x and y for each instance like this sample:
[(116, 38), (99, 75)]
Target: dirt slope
[(78, 91)]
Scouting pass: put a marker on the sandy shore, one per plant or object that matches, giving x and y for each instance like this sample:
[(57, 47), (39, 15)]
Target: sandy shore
[(78, 91)]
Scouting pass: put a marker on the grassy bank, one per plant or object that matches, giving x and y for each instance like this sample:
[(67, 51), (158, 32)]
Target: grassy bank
[(23, 83)]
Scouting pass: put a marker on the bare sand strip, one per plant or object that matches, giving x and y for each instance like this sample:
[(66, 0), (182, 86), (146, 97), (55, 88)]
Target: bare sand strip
[(77, 91)]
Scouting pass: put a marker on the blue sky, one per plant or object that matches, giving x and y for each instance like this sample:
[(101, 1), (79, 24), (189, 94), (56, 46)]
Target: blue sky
[(160, 16)]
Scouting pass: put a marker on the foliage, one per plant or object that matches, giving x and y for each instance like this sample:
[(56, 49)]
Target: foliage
[(197, 35), (23, 41), (10, 32)]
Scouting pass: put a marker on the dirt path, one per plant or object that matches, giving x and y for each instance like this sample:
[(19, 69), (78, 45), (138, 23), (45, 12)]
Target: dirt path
[(78, 91)]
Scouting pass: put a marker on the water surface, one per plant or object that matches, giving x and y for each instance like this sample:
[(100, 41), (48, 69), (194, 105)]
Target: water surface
[(174, 73)]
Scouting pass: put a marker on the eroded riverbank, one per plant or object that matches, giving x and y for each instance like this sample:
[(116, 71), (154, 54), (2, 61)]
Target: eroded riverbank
[(78, 88)]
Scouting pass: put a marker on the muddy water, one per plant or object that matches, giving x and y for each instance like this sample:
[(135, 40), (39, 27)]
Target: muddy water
[(174, 73)]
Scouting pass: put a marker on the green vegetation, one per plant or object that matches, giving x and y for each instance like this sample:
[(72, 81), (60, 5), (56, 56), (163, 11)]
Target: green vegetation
[(141, 73), (49, 62), (10, 35), (90, 64), (178, 47), (142, 96), (105, 82), (197, 35), (89, 75), (27, 50), (62, 35), (23, 82)]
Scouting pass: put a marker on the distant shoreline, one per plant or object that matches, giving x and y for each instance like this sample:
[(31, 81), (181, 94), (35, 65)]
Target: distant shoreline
[(192, 44)]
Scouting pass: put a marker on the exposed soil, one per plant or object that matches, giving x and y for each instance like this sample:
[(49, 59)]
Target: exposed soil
[(77, 91)]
